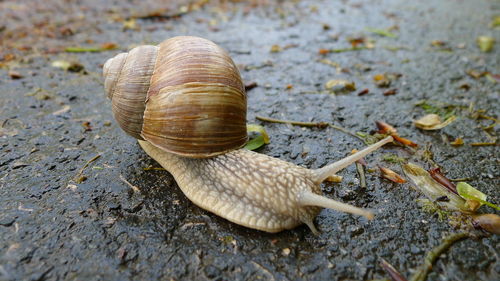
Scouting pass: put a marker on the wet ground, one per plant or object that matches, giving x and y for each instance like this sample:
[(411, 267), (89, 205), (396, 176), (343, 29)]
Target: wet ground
[(126, 223)]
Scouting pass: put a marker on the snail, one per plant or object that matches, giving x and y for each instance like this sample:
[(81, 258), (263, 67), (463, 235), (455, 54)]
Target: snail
[(185, 102)]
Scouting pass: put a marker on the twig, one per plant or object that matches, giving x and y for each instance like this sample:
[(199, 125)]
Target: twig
[(361, 174), (433, 255), (153, 169), (394, 273), (320, 125), (78, 177), (462, 179), (483, 143), (134, 188)]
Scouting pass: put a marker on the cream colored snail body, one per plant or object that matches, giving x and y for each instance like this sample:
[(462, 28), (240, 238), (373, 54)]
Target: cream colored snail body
[(185, 101)]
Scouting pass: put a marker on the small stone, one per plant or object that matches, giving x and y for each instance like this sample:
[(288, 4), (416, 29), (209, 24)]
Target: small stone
[(415, 250), (7, 221), (355, 230), (212, 271), (285, 251)]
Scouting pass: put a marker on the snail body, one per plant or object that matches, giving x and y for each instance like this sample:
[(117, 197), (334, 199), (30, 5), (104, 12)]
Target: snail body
[(193, 83)]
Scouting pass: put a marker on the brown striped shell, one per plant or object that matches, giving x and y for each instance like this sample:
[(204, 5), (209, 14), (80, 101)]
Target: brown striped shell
[(184, 96)]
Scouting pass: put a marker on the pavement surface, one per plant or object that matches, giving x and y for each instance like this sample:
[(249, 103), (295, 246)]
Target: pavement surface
[(61, 219)]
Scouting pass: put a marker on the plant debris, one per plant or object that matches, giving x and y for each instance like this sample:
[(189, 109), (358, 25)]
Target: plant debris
[(433, 190), (457, 142), (68, 66), (361, 170), (445, 111), (276, 49), (341, 50), (393, 273), (381, 32), (433, 122), (104, 47), (391, 175), (340, 86), (493, 143), (433, 255), (387, 129), (364, 92), (488, 222), (471, 194), (258, 141), (250, 86), (390, 92), (436, 174), (485, 43), (79, 178), (320, 125), (393, 158), (384, 80)]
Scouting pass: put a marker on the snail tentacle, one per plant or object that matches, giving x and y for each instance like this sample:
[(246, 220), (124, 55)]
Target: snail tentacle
[(307, 198), (321, 174)]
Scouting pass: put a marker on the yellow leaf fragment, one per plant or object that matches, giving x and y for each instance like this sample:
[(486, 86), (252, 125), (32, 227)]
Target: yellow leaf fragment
[(485, 43), (457, 142), (432, 122), (130, 24), (340, 85), (334, 178), (276, 49), (61, 64)]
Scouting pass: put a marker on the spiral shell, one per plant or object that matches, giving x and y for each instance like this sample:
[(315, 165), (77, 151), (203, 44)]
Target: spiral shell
[(185, 96)]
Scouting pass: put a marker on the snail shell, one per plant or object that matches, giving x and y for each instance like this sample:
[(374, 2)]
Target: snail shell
[(184, 96)]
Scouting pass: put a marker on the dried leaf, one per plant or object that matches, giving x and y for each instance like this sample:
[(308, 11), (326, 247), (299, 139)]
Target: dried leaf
[(109, 46), (470, 193), (385, 128), (457, 142), (404, 141), (485, 43), (432, 122), (323, 51), (381, 80), (390, 92), (434, 190), (340, 85), (69, 66), (276, 49), (391, 175), (364, 92), (444, 181)]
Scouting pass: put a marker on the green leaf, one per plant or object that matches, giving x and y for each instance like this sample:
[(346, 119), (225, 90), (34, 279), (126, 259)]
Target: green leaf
[(82, 50), (469, 192), (485, 43), (258, 141), (381, 32), (255, 143)]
